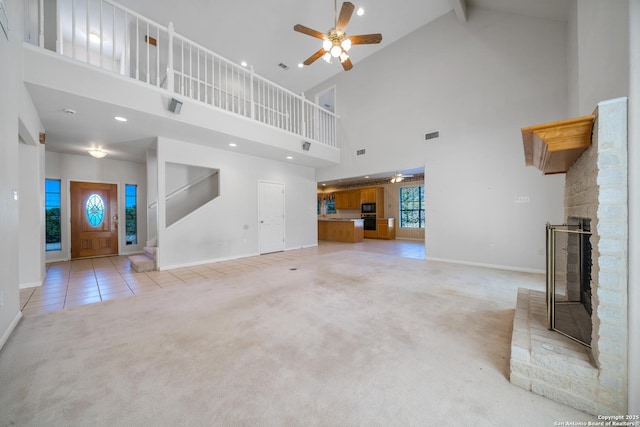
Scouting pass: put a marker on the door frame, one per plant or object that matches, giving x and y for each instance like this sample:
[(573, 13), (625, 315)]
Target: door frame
[(67, 216)]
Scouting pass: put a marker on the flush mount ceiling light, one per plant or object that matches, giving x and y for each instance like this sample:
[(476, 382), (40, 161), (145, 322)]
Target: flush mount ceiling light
[(335, 43), (98, 153)]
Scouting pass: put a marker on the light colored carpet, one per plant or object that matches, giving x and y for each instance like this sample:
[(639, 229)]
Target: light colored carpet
[(346, 339)]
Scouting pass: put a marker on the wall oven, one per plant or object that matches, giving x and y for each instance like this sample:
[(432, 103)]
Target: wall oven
[(369, 222)]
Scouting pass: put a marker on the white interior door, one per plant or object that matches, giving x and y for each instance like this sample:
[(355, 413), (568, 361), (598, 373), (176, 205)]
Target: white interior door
[(271, 217)]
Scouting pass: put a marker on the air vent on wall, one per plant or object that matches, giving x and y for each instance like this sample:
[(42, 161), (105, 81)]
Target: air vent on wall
[(432, 135), (361, 152), (283, 66)]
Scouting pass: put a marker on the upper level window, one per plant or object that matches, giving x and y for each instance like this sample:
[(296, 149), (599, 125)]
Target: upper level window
[(412, 207), (53, 239)]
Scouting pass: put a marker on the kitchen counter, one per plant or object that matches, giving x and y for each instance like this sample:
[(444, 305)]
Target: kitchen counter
[(348, 230)]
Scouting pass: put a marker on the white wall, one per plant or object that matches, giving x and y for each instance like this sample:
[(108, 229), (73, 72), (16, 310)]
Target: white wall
[(634, 208), (32, 230), (152, 195), (599, 32), (12, 91), (69, 167), (227, 227), (477, 83)]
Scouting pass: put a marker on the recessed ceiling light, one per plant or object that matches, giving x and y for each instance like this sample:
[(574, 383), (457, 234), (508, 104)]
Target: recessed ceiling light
[(300, 65), (243, 63), (233, 144), (360, 11), (120, 118), (289, 157)]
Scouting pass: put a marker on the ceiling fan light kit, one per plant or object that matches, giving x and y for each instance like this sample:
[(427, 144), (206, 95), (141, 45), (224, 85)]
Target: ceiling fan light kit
[(336, 43)]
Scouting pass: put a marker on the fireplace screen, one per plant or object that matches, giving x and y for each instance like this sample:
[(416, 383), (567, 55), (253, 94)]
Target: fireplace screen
[(569, 280)]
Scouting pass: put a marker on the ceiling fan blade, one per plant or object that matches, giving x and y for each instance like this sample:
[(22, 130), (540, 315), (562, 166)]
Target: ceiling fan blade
[(345, 16), (347, 65), (313, 57), (308, 31), (366, 39)]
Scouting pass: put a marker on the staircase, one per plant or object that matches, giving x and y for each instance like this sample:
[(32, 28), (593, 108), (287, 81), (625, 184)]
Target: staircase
[(145, 262)]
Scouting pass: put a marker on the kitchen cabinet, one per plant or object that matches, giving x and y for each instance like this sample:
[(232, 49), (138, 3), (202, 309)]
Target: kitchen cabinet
[(368, 195), (348, 199), (386, 228), (341, 230)]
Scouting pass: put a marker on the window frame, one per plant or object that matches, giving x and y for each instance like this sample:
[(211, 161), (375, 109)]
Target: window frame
[(128, 221), (49, 247), (420, 210)]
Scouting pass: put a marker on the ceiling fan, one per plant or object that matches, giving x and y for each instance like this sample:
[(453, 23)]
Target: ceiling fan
[(335, 43), (399, 177)]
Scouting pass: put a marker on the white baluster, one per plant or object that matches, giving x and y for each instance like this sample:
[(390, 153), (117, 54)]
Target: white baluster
[(170, 85)]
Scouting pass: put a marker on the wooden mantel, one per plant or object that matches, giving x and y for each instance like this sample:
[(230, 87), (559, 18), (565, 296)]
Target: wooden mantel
[(554, 147)]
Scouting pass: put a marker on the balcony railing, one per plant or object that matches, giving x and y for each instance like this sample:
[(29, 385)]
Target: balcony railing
[(110, 36)]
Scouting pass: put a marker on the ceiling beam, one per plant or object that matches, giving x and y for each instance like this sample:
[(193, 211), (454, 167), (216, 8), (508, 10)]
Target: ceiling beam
[(460, 7)]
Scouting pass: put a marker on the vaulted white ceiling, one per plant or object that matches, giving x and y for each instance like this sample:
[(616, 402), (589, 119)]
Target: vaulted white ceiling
[(260, 32)]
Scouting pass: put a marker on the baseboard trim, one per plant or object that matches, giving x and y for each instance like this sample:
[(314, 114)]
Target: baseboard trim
[(10, 329), (301, 247), (481, 264), (209, 261), (30, 285)]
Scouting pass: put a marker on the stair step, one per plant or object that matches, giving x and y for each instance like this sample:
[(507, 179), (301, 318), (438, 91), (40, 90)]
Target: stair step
[(151, 252), (142, 263)]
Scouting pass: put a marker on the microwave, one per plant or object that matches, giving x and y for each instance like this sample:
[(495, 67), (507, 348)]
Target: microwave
[(368, 208)]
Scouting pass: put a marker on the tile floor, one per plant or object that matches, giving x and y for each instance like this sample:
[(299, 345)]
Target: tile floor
[(87, 281)]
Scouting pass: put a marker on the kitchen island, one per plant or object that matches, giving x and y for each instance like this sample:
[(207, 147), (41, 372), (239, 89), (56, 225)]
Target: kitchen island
[(341, 229)]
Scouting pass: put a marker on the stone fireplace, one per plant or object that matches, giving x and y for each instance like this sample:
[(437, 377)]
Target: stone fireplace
[(592, 379)]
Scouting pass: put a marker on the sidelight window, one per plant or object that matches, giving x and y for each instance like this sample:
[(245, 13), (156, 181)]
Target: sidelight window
[(131, 206), (53, 239), (412, 207)]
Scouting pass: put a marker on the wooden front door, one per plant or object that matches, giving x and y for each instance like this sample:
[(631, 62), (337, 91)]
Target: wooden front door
[(94, 219)]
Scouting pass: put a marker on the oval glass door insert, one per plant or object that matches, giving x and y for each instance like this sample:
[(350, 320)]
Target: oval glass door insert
[(95, 210)]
